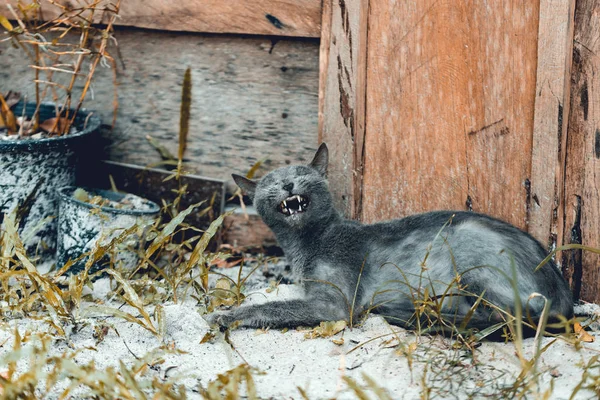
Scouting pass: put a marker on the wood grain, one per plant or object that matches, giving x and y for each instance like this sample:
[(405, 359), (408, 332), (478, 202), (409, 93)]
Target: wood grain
[(343, 83), (582, 185), (450, 100), (555, 43), (258, 17), (251, 98)]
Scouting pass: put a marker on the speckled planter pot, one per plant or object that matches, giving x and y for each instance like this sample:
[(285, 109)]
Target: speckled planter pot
[(81, 225), (45, 164)]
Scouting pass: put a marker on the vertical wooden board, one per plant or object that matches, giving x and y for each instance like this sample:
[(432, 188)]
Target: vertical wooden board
[(450, 100), (324, 49), (582, 185), (555, 38), (341, 117)]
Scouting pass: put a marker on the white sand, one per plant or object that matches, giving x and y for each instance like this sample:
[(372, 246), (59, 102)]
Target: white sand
[(288, 360)]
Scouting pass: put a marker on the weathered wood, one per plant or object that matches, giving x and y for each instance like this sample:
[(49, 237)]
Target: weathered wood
[(324, 49), (555, 39), (343, 78), (251, 98), (258, 17), (450, 99), (582, 185)]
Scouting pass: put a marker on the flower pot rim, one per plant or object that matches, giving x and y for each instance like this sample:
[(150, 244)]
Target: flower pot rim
[(92, 124), (66, 194)]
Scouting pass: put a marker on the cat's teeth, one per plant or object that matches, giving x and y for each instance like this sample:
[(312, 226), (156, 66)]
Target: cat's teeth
[(300, 208)]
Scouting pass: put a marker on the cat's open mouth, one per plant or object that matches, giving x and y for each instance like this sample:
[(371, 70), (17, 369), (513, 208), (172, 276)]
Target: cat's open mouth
[(293, 205)]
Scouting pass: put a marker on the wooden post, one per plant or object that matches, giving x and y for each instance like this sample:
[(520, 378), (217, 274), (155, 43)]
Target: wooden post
[(582, 169), (555, 47), (342, 97)]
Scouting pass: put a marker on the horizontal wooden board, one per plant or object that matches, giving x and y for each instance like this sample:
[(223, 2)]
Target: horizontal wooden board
[(258, 17), (252, 98)]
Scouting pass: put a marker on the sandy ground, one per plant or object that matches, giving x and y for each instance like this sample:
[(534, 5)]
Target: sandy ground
[(288, 360)]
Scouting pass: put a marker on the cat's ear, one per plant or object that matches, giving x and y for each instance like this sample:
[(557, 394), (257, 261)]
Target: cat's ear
[(321, 160), (245, 184)]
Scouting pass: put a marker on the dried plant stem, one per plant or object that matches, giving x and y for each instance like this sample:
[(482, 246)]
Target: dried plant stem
[(101, 53)]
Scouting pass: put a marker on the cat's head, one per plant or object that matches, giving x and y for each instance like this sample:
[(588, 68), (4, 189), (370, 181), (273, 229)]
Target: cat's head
[(296, 196)]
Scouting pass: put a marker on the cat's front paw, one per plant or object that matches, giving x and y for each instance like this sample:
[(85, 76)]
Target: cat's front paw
[(222, 319)]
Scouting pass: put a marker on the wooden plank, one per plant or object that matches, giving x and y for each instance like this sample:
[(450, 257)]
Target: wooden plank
[(251, 98), (258, 17), (324, 49), (343, 82), (450, 100), (555, 39), (582, 185)]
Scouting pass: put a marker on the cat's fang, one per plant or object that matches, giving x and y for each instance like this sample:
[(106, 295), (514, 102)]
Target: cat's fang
[(293, 205)]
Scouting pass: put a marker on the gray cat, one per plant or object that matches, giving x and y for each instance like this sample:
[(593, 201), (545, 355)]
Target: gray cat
[(462, 261)]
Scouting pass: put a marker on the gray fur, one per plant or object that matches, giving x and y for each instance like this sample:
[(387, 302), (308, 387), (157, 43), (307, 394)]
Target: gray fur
[(399, 259)]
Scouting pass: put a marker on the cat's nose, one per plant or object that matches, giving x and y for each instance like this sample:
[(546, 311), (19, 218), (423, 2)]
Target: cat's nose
[(288, 186)]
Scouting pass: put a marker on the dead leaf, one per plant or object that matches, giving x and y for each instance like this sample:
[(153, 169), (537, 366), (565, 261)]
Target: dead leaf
[(255, 167), (582, 334), (6, 23), (7, 118), (100, 332), (326, 329), (210, 335), (339, 341), (55, 125), (226, 263), (222, 294)]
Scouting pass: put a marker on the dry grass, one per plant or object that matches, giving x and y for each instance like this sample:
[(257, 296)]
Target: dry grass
[(174, 266)]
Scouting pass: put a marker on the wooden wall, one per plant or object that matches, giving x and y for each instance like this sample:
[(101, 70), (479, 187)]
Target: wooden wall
[(255, 73), (483, 106), (252, 98)]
